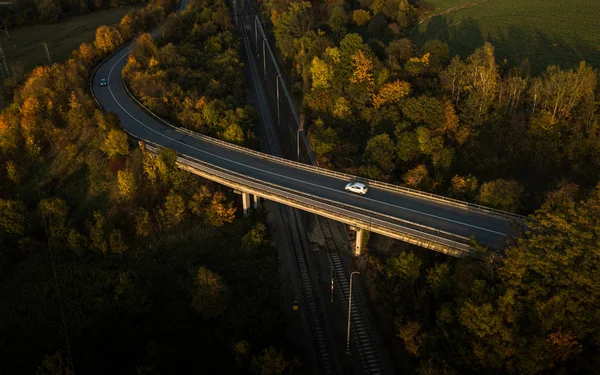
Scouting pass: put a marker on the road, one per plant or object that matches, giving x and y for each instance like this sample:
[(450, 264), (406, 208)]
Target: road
[(488, 229)]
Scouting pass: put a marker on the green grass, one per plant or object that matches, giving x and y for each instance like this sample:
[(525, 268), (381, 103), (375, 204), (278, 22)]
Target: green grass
[(25, 43), (443, 5), (546, 32)]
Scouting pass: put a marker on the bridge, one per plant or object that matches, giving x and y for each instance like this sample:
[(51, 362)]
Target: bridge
[(427, 220)]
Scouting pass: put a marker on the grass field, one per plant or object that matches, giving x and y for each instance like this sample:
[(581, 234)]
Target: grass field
[(25, 43), (546, 32)]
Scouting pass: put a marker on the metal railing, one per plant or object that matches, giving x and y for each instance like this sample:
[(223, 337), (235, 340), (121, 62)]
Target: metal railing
[(364, 217), (340, 175)]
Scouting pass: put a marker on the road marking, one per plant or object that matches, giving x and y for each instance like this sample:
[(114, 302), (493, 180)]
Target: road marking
[(273, 173)]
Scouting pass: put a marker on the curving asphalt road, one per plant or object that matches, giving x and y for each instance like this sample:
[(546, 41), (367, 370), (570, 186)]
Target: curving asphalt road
[(488, 229)]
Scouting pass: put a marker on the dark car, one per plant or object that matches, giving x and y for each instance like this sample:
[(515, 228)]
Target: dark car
[(102, 82)]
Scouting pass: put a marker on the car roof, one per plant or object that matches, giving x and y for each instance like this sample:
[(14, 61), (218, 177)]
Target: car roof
[(358, 184)]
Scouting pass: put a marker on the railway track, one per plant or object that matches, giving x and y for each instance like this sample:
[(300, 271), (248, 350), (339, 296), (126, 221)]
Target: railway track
[(294, 227), (360, 331)]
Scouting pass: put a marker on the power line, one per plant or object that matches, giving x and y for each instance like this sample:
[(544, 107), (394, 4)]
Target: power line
[(55, 274), (3, 65)]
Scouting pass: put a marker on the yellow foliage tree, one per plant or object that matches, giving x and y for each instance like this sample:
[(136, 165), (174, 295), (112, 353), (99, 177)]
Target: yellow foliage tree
[(391, 93), (115, 144), (363, 65), (107, 38), (219, 211), (126, 184), (361, 17), (321, 73)]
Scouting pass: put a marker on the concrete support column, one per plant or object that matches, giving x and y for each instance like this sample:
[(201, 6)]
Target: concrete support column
[(256, 201), (246, 203), (362, 236)]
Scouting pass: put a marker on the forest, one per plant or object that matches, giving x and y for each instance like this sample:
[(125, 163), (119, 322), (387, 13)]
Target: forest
[(475, 129), (114, 261)]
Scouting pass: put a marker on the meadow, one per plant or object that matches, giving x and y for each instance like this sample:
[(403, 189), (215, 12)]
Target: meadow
[(25, 43), (546, 32)]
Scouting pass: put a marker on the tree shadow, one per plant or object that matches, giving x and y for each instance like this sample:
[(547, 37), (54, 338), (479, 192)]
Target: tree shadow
[(513, 43)]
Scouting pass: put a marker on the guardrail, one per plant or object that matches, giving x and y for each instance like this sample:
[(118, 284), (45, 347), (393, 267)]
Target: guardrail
[(306, 200), (340, 175)]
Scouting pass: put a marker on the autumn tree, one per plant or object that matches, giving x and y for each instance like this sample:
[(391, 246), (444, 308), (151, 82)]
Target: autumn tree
[(12, 217), (115, 145), (361, 17), (143, 225), (54, 212), (107, 38), (503, 194), (219, 211), (115, 239), (126, 184), (256, 238), (173, 211), (210, 295), (270, 362)]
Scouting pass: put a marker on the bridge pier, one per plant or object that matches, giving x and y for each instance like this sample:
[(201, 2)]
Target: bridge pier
[(256, 201), (246, 203), (362, 236)]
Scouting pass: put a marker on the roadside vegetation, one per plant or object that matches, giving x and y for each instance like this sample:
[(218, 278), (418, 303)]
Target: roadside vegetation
[(193, 75), (113, 261), (24, 51), (474, 128)]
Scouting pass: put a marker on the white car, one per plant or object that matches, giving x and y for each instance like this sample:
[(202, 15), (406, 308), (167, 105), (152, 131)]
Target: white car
[(357, 187)]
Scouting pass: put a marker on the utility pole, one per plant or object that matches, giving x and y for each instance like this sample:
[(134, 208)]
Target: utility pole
[(47, 52), (298, 143), (331, 296), (349, 312), (4, 65), (278, 115)]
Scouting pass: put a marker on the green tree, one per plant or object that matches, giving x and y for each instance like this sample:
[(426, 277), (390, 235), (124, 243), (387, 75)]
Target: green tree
[(98, 233), (173, 211), (256, 238), (503, 194), (143, 225), (54, 212), (338, 20), (117, 245), (381, 153), (270, 362), (292, 25), (54, 365), (12, 217), (210, 295)]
